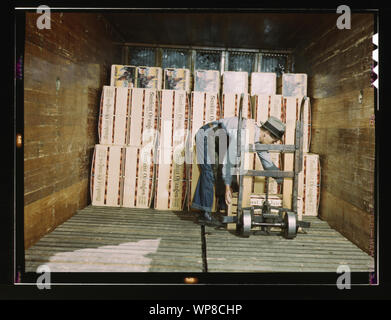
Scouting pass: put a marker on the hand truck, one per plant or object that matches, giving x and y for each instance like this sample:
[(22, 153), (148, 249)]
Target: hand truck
[(286, 219)]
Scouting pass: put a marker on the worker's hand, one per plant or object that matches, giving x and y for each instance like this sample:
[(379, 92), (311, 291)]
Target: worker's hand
[(228, 195)]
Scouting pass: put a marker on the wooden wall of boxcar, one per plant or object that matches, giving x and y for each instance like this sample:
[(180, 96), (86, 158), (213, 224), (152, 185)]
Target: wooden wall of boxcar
[(338, 63), (65, 69)]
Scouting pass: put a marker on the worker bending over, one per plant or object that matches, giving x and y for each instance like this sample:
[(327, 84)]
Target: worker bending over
[(206, 148)]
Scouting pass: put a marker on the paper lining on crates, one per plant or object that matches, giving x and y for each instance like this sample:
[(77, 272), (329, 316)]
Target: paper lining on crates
[(106, 171), (138, 176), (207, 81), (230, 105), (205, 108), (171, 180), (149, 78), (263, 83), (177, 79), (294, 84), (235, 82), (309, 184), (123, 76)]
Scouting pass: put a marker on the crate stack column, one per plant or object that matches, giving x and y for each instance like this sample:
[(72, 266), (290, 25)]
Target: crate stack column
[(171, 179), (294, 88)]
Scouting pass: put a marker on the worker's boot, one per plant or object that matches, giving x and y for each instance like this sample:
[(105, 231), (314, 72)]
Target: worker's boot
[(208, 219)]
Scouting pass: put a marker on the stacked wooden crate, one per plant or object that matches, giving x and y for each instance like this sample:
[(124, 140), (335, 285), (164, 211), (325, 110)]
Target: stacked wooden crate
[(294, 88), (171, 176), (205, 108), (142, 138), (171, 179), (148, 120), (123, 162), (286, 107)]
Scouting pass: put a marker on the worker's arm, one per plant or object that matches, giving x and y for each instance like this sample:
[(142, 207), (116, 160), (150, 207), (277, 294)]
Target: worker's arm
[(268, 164)]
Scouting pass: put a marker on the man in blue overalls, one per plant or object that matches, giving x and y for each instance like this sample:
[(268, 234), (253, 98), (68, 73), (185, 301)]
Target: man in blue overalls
[(226, 130)]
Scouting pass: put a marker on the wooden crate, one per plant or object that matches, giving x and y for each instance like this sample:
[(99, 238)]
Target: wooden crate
[(207, 81), (235, 82), (106, 172), (113, 115), (138, 176), (309, 184), (294, 84), (128, 116), (112, 129), (123, 76), (205, 107), (115, 101), (263, 83), (149, 78), (230, 105), (177, 79), (171, 180), (143, 115)]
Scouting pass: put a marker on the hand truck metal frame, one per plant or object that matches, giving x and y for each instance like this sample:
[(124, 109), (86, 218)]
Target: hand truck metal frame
[(286, 219)]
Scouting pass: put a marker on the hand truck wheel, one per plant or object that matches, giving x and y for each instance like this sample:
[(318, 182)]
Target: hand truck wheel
[(290, 228), (246, 223)]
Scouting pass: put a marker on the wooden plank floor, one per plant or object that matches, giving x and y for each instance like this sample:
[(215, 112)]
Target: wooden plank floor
[(112, 239), (320, 249), (103, 239)]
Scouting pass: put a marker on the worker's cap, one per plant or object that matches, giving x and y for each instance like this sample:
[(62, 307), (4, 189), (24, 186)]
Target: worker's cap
[(275, 126)]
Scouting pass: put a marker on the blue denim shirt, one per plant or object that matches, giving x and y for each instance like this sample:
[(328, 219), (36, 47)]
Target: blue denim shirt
[(230, 125)]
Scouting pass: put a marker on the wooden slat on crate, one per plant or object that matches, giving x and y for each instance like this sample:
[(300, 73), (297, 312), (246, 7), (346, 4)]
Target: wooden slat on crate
[(235, 82), (205, 108), (309, 184), (171, 177), (138, 177), (306, 125), (143, 117), (115, 101), (230, 105), (263, 83), (106, 176), (112, 129), (207, 81)]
